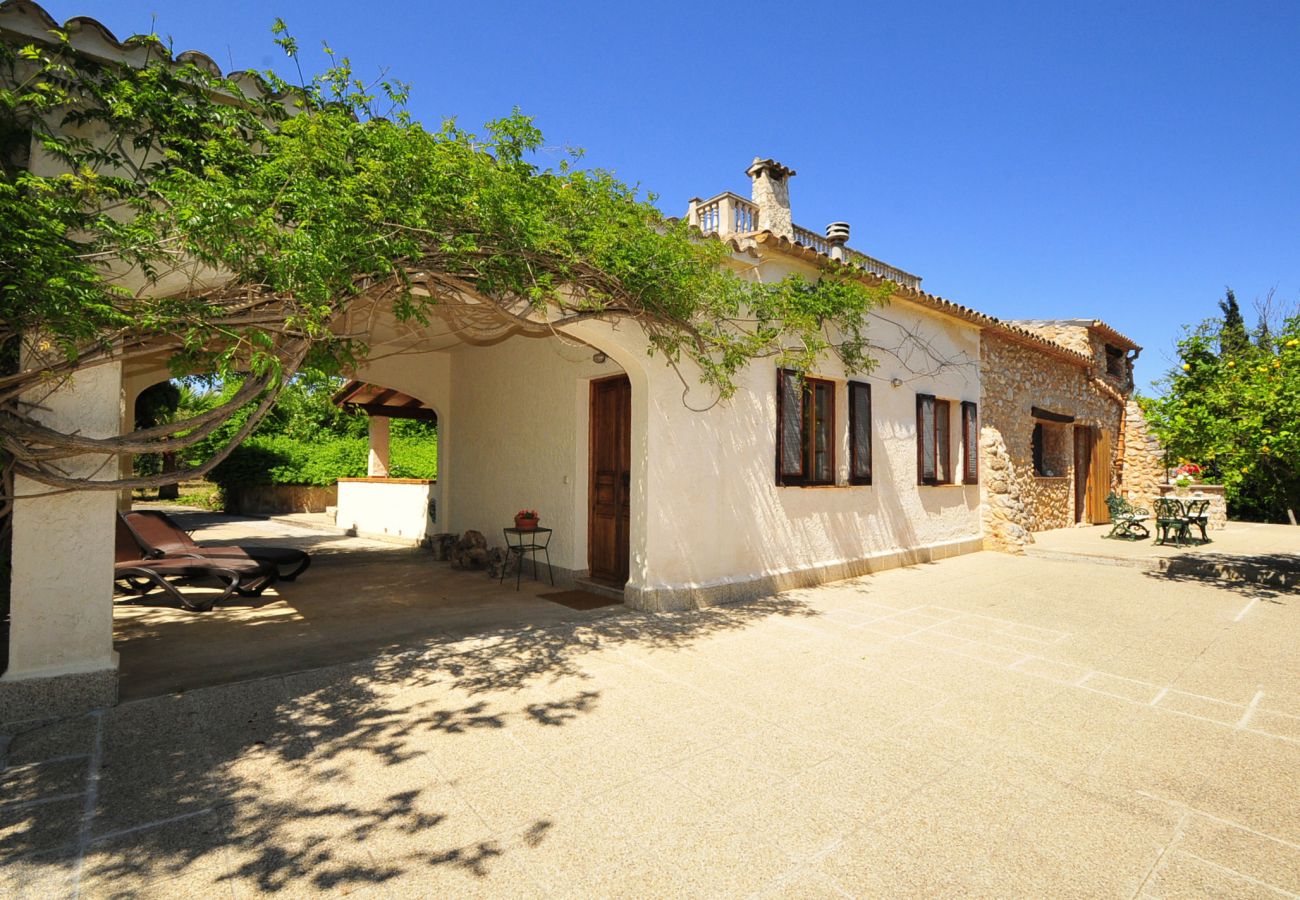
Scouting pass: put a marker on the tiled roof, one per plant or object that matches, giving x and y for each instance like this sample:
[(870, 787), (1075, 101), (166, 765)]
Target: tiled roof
[(1108, 334), (94, 39), (1010, 330)]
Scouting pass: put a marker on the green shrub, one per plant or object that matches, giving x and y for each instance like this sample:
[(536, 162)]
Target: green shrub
[(413, 457), (278, 459)]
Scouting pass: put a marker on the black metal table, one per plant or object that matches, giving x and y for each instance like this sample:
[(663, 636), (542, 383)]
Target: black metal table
[(527, 541)]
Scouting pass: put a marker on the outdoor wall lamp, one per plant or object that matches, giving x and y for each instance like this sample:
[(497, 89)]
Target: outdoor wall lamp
[(599, 358), (896, 382)]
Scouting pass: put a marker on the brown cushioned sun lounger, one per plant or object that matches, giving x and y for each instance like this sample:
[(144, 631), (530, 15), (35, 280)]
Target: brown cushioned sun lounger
[(161, 537), (130, 567)]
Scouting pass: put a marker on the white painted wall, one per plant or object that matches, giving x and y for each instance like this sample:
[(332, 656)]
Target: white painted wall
[(706, 508), (62, 581), (396, 509), (521, 433)]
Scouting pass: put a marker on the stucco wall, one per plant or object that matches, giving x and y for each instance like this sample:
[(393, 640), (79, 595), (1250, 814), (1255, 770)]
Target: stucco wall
[(710, 514), (390, 510), (62, 597), (1016, 378), (521, 437)]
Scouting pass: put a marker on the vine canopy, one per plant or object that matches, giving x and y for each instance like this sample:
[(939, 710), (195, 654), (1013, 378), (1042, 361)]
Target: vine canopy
[(167, 209)]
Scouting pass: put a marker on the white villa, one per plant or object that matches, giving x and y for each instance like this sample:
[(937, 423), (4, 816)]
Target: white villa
[(969, 434)]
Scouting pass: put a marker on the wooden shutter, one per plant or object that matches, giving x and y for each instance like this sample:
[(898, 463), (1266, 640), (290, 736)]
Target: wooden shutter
[(859, 433), (943, 441), (789, 425), (925, 472), (970, 442)]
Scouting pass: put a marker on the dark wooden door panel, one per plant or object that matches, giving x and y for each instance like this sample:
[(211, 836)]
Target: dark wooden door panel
[(611, 479)]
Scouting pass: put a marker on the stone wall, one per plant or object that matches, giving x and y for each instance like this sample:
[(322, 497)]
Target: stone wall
[(1143, 458), (1082, 339), (1015, 378)]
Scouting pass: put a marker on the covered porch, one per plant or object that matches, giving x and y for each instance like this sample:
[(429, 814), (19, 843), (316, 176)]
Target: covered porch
[(515, 430), (362, 598)]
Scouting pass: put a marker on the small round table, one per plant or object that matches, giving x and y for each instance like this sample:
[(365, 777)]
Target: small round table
[(527, 540)]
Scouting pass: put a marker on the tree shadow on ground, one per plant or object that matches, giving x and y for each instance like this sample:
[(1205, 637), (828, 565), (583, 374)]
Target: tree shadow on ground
[(337, 778), (1267, 576)]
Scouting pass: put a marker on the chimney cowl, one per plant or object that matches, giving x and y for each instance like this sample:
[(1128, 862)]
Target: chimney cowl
[(837, 232), (770, 166)]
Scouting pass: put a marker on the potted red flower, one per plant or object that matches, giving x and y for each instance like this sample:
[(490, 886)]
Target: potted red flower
[(527, 518)]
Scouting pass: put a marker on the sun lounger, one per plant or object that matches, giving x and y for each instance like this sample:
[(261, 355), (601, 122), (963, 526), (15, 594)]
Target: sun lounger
[(159, 534), (131, 567)]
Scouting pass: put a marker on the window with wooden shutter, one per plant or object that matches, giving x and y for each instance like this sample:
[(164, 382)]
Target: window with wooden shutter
[(859, 433), (805, 430), (933, 444), (942, 442), (970, 443), (789, 426), (925, 473)]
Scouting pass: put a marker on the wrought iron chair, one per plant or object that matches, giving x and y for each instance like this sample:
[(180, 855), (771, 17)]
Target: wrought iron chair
[(1198, 514), (1171, 517), (1128, 521)]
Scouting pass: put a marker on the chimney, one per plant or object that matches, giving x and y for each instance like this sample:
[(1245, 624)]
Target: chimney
[(771, 194), (837, 235)]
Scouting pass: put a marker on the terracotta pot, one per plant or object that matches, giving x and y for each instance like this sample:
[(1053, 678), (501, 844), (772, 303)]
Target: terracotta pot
[(526, 523)]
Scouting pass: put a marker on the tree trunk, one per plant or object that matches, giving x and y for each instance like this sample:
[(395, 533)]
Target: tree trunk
[(173, 490)]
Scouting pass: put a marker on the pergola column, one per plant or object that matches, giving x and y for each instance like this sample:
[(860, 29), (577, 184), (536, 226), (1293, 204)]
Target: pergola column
[(377, 464), (61, 657)]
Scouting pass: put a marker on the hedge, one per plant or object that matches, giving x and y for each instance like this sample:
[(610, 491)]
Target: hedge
[(276, 459)]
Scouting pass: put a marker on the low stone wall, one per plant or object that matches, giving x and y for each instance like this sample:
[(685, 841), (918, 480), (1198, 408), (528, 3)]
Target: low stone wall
[(275, 499)]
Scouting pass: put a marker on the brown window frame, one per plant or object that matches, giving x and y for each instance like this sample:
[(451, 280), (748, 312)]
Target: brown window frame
[(787, 476), (1115, 358), (1038, 450), (941, 411), (860, 453), (970, 442)]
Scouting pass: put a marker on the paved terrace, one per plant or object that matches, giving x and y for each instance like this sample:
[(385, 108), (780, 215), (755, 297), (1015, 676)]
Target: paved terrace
[(987, 725)]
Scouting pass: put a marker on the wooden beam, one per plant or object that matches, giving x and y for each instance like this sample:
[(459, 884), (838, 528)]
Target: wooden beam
[(396, 412), (1049, 416)]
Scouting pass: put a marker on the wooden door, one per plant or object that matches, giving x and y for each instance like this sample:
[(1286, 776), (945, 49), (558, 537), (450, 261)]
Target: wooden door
[(1091, 474), (1082, 466), (610, 486), (1099, 477)]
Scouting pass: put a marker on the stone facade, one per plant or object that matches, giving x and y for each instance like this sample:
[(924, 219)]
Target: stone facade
[(1014, 378), (1143, 459)]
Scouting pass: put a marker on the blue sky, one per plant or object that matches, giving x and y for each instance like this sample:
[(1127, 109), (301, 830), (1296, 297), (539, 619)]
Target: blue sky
[(1111, 159)]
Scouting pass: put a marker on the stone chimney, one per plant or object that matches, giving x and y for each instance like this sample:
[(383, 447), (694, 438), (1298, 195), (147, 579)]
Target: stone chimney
[(771, 194), (837, 235)]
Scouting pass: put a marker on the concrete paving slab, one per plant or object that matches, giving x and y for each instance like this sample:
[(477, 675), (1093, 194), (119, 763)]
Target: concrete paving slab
[(1143, 745)]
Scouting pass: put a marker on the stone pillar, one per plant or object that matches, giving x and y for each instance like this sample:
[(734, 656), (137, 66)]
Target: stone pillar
[(770, 191), (377, 465), (61, 658)]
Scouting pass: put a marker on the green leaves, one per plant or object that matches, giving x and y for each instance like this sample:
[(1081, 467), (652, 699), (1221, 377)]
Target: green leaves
[(1232, 406), (289, 204)]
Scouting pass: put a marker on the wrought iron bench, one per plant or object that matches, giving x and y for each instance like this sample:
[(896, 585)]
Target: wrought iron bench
[(1128, 521)]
